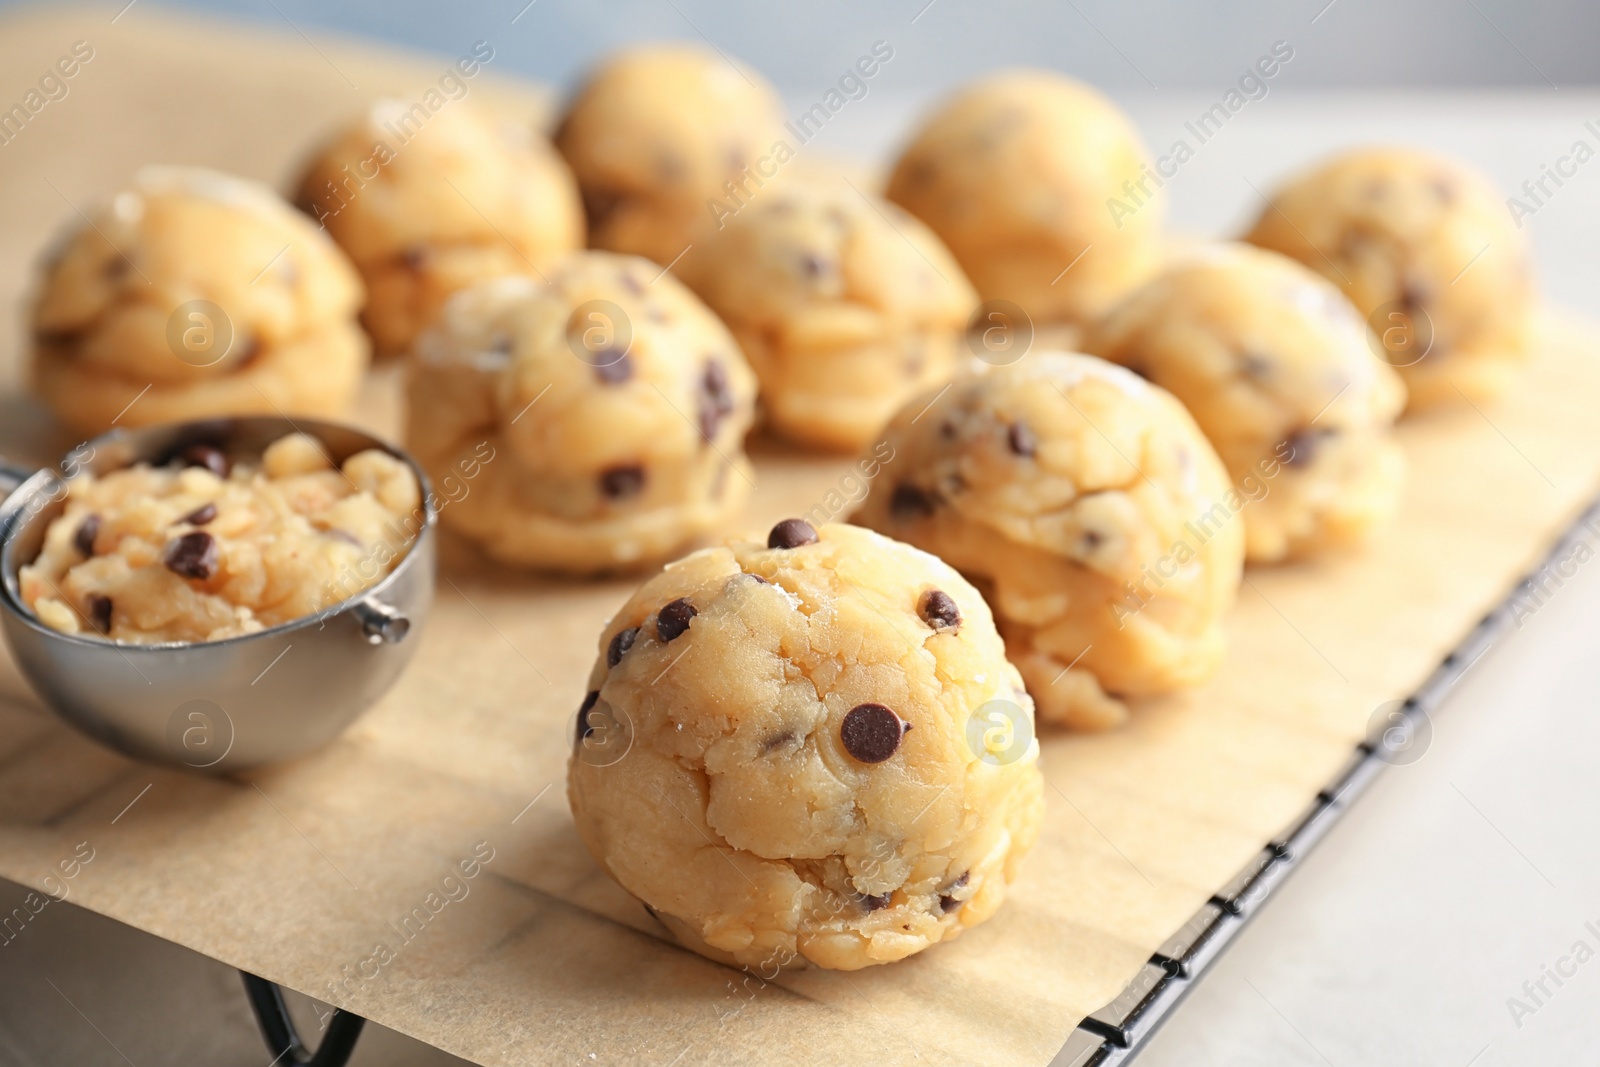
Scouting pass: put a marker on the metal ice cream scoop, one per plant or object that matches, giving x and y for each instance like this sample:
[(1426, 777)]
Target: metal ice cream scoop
[(217, 706)]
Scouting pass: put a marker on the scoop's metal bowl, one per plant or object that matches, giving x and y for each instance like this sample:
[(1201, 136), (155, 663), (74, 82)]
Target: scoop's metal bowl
[(217, 706)]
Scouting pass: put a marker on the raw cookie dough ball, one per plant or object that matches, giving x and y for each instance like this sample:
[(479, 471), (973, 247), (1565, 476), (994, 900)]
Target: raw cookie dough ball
[(654, 134), (813, 752), (1017, 174), (1425, 249), (1090, 510), (1278, 370), (203, 548), (845, 306), (427, 210), (196, 294), (590, 422)]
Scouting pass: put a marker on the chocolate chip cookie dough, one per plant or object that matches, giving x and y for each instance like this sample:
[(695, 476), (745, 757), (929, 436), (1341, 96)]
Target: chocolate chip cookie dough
[(195, 294), (606, 406), (1021, 174), (846, 307), (654, 135), (425, 211), (1095, 517), (807, 750), (1279, 371), (1426, 250), (204, 548)]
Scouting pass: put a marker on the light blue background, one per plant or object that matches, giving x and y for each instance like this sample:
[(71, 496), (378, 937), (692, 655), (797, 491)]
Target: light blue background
[(1168, 44)]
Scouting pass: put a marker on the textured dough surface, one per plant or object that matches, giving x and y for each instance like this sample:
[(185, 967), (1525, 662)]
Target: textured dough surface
[(291, 535), (716, 785), (109, 322), (1093, 514), (1280, 372), (1426, 250), (571, 453), (425, 210), (1015, 174), (846, 307), (654, 134)]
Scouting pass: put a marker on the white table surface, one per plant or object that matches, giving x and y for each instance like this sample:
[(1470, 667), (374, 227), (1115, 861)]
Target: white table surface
[(1400, 938)]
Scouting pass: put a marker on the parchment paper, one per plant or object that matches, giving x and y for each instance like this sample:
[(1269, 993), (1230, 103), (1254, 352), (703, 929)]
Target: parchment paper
[(423, 870)]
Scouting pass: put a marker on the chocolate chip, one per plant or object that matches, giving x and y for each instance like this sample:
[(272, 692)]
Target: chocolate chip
[(99, 612), (938, 609), (614, 367), (1412, 296), (1022, 439), (947, 900), (716, 378), (716, 399), (584, 729), (201, 515), (1303, 446), (55, 338), (210, 457), (813, 266), (875, 903), (910, 502), (415, 257), (776, 741), (871, 733), (792, 533), (1255, 365), (619, 483), (1089, 540), (620, 644), (83, 538), (673, 619), (194, 555)]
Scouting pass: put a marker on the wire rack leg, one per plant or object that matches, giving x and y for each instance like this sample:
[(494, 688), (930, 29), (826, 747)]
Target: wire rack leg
[(283, 1041)]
